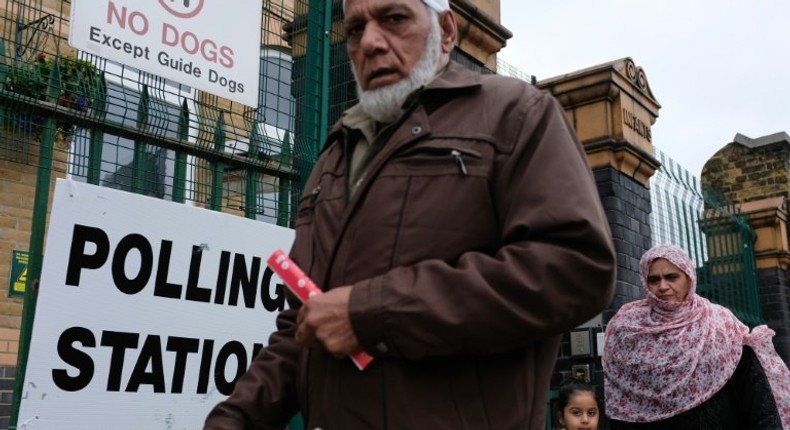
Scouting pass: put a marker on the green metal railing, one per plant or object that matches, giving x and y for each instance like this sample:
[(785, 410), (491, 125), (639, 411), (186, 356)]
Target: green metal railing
[(717, 237), (69, 114), (66, 113), (729, 276)]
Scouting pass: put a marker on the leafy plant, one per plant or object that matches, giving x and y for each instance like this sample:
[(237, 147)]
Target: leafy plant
[(78, 79)]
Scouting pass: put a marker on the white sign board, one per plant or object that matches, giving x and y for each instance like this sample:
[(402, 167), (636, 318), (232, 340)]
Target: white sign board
[(148, 311), (212, 45)]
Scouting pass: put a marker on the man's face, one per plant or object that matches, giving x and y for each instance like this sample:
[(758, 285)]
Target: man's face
[(386, 38)]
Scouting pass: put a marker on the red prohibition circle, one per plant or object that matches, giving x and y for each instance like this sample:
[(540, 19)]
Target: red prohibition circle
[(194, 10)]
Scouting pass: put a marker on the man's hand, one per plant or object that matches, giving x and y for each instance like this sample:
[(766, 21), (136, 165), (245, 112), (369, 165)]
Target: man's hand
[(324, 318)]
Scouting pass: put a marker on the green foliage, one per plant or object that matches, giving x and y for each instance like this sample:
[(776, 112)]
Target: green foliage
[(79, 81)]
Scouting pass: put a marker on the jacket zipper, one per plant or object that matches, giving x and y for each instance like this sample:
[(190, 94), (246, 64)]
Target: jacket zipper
[(459, 160), (457, 154), (308, 351), (313, 198)]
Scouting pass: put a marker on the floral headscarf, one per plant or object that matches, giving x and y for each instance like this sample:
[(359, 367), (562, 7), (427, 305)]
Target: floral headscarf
[(664, 358), (674, 255)]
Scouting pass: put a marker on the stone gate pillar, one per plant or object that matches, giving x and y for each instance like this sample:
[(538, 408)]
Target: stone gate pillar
[(612, 108), (755, 174)]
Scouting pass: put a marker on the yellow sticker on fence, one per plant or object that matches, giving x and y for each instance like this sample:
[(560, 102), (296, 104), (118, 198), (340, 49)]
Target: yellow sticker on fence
[(18, 277)]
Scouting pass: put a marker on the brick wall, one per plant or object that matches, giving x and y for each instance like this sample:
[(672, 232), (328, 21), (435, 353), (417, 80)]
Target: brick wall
[(9, 346), (774, 299), (627, 206), (751, 170), (18, 176), (745, 174), (17, 188)]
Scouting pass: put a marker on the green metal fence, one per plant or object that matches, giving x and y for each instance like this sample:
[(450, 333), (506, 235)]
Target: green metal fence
[(66, 113), (729, 276), (718, 238)]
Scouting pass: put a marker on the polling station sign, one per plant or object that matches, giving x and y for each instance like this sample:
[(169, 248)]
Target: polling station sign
[(148, 311), (212, 45)]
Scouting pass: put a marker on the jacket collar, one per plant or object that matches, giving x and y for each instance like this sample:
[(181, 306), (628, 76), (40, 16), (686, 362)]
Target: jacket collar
[(455, 77), (451, 81)]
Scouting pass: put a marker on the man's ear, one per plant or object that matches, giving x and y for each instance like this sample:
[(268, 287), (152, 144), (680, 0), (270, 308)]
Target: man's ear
[(449, 30)]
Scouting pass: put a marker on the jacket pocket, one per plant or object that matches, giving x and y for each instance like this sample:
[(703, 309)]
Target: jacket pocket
[(443, 157), (434, 201)]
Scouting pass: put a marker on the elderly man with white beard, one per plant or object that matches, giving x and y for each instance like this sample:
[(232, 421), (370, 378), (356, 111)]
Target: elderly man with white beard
[(456, 231)]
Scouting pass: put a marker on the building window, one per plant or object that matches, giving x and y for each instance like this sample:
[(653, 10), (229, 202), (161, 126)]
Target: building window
[(156, 164), (275, 120), (276, 102)]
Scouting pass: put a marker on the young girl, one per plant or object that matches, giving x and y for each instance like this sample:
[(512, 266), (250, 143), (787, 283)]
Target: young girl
[(576, 407)]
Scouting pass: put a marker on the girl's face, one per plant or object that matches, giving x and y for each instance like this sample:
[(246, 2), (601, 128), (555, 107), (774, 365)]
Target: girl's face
[(581, 412)]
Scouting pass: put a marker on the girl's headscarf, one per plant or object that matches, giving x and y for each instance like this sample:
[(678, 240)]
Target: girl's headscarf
[(664, 358)]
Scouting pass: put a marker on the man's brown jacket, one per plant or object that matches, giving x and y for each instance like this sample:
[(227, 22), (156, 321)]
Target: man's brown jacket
[(475, 238)]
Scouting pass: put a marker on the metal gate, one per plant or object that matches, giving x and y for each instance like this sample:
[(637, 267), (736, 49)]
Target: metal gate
[(729, 275), (716, 235)]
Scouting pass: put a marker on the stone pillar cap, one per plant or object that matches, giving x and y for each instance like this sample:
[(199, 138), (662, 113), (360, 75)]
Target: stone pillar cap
[(761, 141)]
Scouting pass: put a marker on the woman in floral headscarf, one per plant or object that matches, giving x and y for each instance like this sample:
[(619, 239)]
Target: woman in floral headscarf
[(677, 361)]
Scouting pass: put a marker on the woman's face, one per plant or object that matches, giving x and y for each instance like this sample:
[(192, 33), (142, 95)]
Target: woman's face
[(667, 282), (581, 412)]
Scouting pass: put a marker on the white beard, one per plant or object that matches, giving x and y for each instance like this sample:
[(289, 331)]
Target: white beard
[(385, 104)]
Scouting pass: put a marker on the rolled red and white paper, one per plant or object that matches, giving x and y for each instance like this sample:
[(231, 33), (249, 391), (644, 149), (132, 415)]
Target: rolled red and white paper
[(304, 288)]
